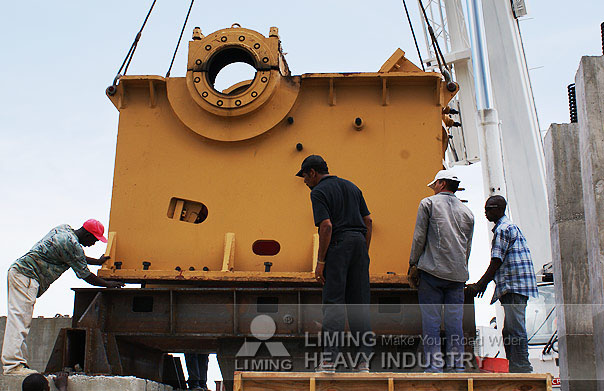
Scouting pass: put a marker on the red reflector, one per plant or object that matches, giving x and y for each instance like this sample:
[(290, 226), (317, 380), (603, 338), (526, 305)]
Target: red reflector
[(266, 247)]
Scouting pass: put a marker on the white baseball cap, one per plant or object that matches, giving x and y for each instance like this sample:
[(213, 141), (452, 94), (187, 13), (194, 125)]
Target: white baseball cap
[(444, 174)]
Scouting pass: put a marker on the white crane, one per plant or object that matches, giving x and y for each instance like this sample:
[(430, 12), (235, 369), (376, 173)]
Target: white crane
[(497, 110)]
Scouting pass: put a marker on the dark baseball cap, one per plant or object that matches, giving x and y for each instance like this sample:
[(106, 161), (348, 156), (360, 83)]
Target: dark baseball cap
[(312, 161)]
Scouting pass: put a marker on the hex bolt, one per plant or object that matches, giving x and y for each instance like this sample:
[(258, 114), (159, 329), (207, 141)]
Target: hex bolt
[(118, 265), (206, 269), (290, 120), (191, 268), (358, 123), (299, 146), (146, 265), (197, 35), (177, 268), (267, 266)]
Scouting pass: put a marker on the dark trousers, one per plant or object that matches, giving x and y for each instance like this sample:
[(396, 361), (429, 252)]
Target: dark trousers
[(433, 292), (197, 366), (346, 290), (514, 332)]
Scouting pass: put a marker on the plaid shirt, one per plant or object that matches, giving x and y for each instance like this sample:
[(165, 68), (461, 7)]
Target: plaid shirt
[(516, 274)]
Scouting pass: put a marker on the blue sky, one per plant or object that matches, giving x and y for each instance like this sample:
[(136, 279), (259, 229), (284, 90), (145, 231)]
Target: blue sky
[(58, 129)]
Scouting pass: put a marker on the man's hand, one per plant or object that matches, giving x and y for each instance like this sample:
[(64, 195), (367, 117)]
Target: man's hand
[(413, 276), (60, 381), (477, 289), (97, 262), (114, 284), (319, 273)]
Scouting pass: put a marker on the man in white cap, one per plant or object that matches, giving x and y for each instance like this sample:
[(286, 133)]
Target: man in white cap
[(31, 275), (438, 265)]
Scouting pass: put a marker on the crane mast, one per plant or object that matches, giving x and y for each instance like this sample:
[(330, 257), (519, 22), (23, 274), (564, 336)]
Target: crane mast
[(497, 110)]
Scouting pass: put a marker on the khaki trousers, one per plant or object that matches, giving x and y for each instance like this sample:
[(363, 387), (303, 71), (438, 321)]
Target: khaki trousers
[(22, 293)]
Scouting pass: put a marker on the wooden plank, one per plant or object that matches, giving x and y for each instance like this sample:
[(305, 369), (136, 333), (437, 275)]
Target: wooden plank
[(228, 260), (237, 382), (397, 376), (302, 381)]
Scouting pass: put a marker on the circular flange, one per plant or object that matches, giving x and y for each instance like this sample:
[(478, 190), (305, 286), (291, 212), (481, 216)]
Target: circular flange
[(226, 47)]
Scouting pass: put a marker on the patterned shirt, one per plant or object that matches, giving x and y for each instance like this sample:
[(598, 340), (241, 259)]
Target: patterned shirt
[(516, 273), (58, 251)]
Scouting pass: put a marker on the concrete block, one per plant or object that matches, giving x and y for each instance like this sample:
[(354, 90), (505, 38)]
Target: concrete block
[(41, 339), (569, 257), (589, 84), (90, 383)]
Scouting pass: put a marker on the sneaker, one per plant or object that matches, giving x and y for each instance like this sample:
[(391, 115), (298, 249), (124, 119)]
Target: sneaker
[(20, 369), (362, 367), (326, 367)]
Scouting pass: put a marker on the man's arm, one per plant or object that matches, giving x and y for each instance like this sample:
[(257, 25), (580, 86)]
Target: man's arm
[(469, 244), (93, 279), (97, 262), (325, 229), (369, 224), (479, 287), (420, 233)]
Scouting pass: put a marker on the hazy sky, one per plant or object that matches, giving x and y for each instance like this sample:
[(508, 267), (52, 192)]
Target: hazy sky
[(58, 129)]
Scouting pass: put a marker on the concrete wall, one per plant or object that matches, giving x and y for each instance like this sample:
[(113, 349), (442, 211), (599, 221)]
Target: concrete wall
[(589, 83), (569, 256), (90, 383), (41, 339)]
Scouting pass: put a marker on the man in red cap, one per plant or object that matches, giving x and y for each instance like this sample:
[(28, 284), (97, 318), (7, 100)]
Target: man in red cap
[(31, 275)]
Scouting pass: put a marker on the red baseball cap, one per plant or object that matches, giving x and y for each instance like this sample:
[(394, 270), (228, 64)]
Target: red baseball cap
[(96, 228)]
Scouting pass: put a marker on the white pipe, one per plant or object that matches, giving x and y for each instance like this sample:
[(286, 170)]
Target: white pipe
[(480, 60)]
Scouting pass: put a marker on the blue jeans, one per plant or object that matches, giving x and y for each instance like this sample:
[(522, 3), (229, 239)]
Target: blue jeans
[(433, 292), (197, 366), (514, 332)]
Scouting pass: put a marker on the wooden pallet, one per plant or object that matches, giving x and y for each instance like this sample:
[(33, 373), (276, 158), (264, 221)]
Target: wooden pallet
[(309, 381)]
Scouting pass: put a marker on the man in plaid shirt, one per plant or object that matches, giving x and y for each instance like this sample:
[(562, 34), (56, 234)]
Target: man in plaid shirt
[(512, 270)]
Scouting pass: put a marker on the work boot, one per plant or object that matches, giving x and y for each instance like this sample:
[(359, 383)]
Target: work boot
[(362, 367), (21, 369), (326, 367)]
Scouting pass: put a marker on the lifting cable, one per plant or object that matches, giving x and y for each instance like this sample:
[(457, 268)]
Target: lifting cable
[(441, 60), (130, 54), (413, 33), (180, 38)]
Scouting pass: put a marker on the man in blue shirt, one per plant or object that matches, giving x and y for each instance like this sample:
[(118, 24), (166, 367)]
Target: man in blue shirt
[(512, 270)]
